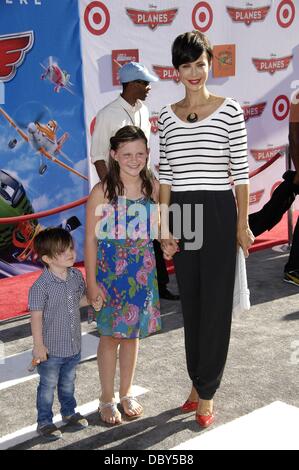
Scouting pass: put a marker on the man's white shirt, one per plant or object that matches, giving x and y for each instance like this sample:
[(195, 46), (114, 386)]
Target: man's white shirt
[(110, 119)]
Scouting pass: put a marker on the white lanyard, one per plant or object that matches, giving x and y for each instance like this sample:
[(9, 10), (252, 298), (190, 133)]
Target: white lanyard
[(132, 119)]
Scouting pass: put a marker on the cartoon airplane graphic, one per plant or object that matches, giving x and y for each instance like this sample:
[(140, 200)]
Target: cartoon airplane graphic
[(56, 75), (14, 202), (42, 138), (60, 78)]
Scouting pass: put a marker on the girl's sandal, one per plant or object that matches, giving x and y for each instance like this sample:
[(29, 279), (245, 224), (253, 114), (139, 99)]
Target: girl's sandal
[(130, 405), (114, 413)]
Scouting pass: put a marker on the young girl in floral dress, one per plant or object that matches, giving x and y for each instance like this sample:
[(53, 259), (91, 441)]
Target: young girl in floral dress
[(121, 221)]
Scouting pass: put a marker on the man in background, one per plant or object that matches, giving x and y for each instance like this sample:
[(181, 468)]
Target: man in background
[(282, 199), (291, 270)]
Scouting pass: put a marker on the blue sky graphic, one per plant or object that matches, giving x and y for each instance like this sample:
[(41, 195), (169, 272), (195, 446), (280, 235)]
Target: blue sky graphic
[(27, 98)]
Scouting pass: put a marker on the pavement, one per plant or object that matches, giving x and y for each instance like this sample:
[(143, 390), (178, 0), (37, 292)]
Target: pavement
[(257, 405)]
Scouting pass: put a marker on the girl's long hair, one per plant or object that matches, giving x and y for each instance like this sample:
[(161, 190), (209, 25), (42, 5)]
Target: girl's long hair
[(112, 183)]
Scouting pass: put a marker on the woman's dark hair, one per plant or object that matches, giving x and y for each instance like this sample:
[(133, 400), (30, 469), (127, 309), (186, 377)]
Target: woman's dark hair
[(188, 47), (112, 182)]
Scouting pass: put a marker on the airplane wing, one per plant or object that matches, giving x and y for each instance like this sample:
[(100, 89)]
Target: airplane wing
[(59, 162), (264, 11), (13, 124), (66, 87), (65, 156), (13, 49)]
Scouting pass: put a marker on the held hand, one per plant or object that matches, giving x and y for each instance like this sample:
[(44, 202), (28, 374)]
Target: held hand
[(94, 293), (98, 303), (40, 353), (245, 239)]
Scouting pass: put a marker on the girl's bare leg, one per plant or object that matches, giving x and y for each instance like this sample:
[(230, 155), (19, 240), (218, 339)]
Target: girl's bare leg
[(107, 358), (128, 353)]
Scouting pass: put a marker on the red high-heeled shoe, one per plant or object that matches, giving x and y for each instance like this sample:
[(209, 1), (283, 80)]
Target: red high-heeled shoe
[(189, 406), (205, 420)]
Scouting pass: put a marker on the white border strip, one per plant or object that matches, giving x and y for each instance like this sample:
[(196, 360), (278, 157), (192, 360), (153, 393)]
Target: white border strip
[(29, 432), (25, 378)]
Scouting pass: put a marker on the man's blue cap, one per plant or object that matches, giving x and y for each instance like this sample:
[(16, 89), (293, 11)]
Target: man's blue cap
[(135, 71)]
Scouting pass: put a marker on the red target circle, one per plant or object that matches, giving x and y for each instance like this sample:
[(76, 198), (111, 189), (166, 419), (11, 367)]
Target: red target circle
[(285, 13), (92, 125), (202, 16), (97, 18), (281, 107)]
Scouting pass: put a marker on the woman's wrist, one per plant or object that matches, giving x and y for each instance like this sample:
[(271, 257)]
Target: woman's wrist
[(243, 224), (91, 286), (164, 232)]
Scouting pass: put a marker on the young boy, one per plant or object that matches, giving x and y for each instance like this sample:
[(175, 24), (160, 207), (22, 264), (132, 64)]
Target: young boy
[(54, 302)]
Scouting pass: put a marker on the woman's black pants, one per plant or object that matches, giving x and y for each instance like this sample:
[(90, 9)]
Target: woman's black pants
[(206, 282)]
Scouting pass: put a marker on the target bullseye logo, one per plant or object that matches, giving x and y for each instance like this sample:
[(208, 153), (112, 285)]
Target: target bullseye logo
[(97, 18), (281, 107), (285, 13), (92, 125), (202, 16)]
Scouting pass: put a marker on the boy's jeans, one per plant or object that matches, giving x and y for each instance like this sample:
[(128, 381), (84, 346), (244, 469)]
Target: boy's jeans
[(57, 372)]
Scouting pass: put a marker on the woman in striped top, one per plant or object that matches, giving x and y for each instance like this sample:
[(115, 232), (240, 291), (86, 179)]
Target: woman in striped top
[(202, 142)]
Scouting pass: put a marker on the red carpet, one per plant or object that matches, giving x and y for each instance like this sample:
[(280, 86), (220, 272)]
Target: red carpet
[(14, 294), (14, 290), (277, 236)]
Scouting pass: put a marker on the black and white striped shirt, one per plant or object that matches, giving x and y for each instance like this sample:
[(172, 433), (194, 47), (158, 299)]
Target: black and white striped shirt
[(200, 156), (59, 302)]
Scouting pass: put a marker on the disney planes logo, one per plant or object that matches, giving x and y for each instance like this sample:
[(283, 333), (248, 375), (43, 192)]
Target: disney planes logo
[(166, 72), (267, 154), (254, 110), (152, 18), (255, 197), (13, 49), (272, 65), (154, 122), (248, 15)]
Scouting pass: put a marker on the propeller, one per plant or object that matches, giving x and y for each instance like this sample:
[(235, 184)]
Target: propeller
[(24, 125), (40, 113)]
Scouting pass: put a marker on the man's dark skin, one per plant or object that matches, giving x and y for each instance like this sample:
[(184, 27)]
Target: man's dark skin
[(132, 91)]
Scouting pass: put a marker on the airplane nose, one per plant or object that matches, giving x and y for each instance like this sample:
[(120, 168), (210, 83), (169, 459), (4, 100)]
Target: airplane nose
[(31, 128)]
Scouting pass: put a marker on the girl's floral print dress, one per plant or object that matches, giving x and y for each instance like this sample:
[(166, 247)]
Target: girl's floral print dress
[(127, 270)]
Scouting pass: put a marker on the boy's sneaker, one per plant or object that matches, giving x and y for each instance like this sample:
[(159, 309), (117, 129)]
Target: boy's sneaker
[(292, 277), (50, 432), (76, 420)]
